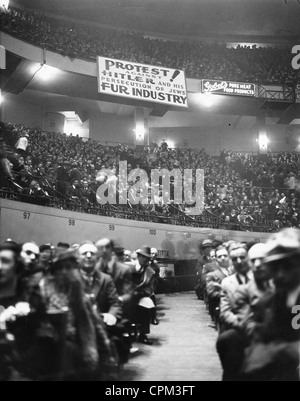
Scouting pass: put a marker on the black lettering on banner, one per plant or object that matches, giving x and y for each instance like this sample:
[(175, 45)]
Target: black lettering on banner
[(112, 227), (26, 215), (72, 222), (152, 232)]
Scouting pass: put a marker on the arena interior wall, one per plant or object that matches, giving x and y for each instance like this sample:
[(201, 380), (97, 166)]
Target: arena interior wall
[(24, 222)]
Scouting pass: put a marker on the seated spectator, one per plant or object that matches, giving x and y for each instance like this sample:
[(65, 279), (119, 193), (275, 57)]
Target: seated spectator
[(64, 292), (78, 40), (119, 272), (10, 296), (62, 247), (74, 192), (9, 253), (249, 295), (47, 253), (206, 247), (245, 206), (99, 286), (231, 343), (35, 194), (209, 267), (214, 280), (274, 351), (127, 257), (103, 293)]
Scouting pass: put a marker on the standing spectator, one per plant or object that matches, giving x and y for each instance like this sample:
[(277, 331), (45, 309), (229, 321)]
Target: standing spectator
[(156, 268), (62, 179), (143, 277)]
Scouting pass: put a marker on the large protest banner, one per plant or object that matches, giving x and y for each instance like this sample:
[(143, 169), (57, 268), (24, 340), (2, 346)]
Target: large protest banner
[(217, 87), (142, 82)]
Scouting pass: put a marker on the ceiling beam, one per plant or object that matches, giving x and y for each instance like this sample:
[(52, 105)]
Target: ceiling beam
[(21, 77)]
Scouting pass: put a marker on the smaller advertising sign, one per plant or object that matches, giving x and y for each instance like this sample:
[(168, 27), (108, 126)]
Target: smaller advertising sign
[(217, 87)]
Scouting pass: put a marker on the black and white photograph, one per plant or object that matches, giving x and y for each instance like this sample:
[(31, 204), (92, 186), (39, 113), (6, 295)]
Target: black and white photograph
[(150, 193)]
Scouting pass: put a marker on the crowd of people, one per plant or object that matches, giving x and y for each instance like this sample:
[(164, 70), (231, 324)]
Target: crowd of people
[(74, 312), (252, 292), (78, 312), (242, 191), (199, 60)]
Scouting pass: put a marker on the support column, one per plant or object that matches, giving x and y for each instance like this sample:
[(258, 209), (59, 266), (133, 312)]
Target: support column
[(141, 127)]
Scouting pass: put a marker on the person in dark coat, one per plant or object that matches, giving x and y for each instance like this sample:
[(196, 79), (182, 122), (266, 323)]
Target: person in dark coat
[(9, 297), (74, 192), (209, 267), (156, 268), (62, 179), (143, 277), (99, 286), (35, 194), (75, 174), (63, 293), (102, 291), (119, 272), (205, 247), (9, 253)]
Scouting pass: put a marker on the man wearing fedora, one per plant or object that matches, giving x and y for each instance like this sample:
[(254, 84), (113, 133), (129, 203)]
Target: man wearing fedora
[(143, 279)]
